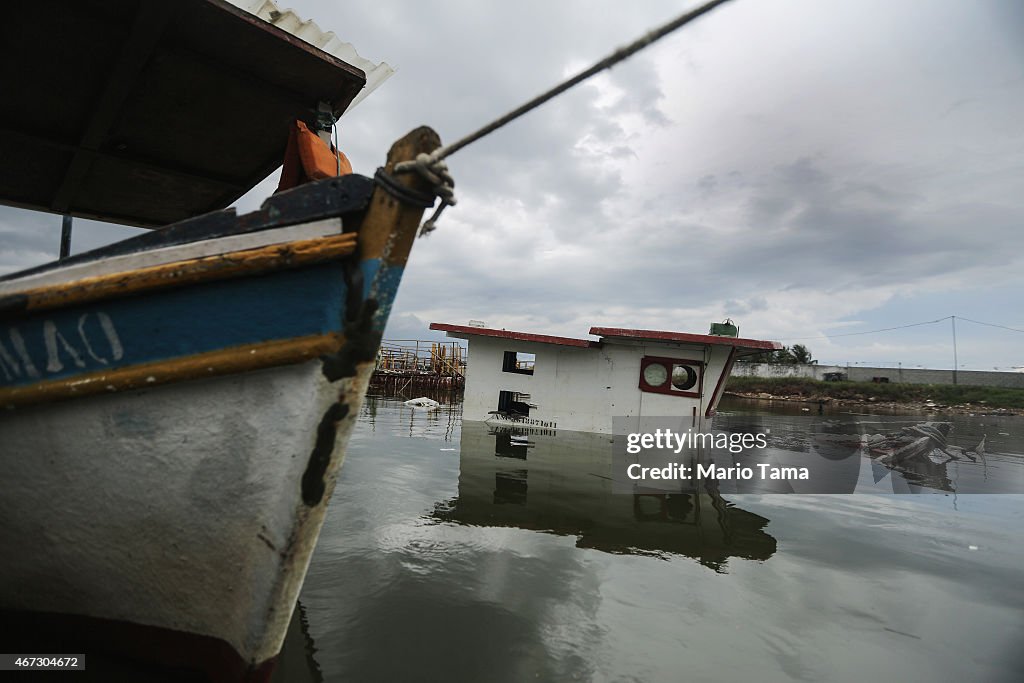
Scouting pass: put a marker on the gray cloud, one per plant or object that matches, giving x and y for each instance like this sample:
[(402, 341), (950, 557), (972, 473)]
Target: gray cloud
[(800, 164)]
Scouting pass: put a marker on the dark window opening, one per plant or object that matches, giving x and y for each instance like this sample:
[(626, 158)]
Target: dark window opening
[(519, 363), (510, 488), (509, 445), (514, 403), (672, 507), (683, 377)]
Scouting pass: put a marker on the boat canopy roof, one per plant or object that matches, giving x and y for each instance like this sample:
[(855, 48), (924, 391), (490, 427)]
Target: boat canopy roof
[(147, 112)]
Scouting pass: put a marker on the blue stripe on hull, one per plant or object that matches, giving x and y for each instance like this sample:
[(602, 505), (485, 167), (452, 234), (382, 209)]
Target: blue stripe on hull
[(174, 323), (383, 283)]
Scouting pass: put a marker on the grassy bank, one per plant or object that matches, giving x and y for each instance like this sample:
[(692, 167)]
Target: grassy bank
[(940, 394)]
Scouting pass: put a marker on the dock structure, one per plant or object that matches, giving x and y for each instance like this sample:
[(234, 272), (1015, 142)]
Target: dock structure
[(412, 365)]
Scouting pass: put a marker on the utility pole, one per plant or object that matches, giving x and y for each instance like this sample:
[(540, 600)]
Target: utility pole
[(953, 319)]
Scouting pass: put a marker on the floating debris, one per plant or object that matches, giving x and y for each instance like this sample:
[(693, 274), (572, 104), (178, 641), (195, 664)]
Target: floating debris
[(423, 402)]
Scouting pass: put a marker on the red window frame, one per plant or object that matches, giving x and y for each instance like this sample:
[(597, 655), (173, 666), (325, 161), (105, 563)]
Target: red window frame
[(667, 387)]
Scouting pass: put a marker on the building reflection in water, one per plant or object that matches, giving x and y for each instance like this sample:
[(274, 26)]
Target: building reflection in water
[(562, 484)]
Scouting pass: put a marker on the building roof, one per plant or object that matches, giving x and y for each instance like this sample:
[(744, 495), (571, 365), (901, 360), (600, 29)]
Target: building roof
[(467, 330), (619, 332), (685, 338)]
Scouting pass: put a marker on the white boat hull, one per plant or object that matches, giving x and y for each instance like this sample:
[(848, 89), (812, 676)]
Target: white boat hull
[(215, 543)]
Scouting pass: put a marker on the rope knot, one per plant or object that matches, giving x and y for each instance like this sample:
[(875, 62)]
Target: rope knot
[(432, 168)]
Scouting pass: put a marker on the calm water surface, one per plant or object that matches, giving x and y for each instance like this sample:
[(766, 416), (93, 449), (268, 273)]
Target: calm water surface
[(452, 553)]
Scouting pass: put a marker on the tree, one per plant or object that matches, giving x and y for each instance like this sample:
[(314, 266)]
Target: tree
[(798, 353), (801, 354)]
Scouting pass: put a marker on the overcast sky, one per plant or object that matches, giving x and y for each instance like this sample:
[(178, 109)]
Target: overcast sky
[(805, 167)]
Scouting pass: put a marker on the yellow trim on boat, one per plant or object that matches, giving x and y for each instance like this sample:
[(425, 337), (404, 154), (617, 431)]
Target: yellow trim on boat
[(227, 361), (192, 271)]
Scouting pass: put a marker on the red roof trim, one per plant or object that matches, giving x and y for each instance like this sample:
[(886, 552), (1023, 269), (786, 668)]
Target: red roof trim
[(651, 335), (726, 372), (514, 336), (686, 338)]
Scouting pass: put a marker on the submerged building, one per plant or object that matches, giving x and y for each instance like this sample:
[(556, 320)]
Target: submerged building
[(547, 382)]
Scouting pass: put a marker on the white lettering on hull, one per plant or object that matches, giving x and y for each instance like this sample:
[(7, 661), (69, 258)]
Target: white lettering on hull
[(529, 421), (79, 349)]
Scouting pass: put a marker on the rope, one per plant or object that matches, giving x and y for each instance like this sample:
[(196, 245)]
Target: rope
[(606, 63), (432, 170), (337, 155), (326, 121), (406, 195), (432, 167), (435, 171)]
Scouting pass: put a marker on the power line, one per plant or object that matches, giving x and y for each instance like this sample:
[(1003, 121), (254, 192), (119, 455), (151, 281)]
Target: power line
[(978, 322), (884, 329), (902, 327)]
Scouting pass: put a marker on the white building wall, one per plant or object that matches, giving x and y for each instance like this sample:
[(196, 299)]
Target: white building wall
[(581, 389), (898, 374), (783, 370)]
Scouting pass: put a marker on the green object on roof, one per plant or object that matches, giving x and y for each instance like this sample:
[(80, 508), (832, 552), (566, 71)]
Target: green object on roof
[(726, 329)]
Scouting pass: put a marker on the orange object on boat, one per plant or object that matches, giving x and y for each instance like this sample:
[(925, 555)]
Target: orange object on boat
[(307, 158)]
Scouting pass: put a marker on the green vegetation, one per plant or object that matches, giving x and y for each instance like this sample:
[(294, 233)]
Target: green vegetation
[(941, 394), (787, 355)]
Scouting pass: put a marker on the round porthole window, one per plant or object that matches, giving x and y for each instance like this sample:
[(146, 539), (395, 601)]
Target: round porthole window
[(655, 374), (684, 377)]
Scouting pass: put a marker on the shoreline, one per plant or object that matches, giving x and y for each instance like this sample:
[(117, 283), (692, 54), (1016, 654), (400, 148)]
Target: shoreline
[(872, 402)]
